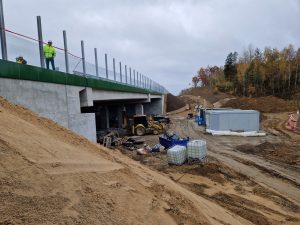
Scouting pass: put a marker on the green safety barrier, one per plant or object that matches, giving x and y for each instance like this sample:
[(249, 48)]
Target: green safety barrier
[(26, 72)]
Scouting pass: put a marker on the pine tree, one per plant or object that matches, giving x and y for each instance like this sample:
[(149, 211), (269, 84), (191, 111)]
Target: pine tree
[(230, 70)]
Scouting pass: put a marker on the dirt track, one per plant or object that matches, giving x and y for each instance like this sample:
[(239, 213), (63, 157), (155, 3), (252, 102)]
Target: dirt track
[(259, 190)]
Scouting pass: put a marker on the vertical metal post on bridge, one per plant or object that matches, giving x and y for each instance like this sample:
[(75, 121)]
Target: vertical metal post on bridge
[(96, 62), (130, 75), (40, 38), (137, 78), (2, 33), (126, 74), (66, 51), (83, 58), (140, 82), (106, 66), (114, 67), (120, 71), (147, 82), (133, 77)]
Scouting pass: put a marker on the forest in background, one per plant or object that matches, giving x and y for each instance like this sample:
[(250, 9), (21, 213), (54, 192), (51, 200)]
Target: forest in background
[(255, 73)]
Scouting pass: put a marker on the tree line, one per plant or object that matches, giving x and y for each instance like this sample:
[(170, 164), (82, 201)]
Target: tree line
[(255, 73)]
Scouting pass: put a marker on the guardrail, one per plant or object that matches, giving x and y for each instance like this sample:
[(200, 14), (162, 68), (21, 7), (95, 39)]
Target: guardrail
[(14, 44)]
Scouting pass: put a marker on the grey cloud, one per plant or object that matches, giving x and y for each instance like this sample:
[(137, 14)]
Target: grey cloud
[(166, 40)]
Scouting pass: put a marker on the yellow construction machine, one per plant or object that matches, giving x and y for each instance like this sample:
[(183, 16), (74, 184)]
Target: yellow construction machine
[(142, 125)]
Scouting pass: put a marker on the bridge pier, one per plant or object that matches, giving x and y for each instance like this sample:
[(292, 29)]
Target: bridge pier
[(139, 109)]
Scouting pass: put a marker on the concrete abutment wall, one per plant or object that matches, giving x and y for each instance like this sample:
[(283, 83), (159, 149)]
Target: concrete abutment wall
[(64, 103), (60, 103)]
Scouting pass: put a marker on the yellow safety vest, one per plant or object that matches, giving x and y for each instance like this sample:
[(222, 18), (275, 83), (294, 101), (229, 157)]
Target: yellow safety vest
[(49, 51)]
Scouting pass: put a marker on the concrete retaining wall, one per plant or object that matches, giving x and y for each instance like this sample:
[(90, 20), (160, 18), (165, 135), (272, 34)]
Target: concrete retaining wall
[(58, 102)]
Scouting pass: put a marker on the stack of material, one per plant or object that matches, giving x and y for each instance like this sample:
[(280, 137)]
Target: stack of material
[(177, 155), (196, 149)]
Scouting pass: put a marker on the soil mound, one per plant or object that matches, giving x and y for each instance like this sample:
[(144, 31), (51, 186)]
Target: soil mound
[(207, 93), (269, 104), (49, 175), (281, 153), (174, 103)]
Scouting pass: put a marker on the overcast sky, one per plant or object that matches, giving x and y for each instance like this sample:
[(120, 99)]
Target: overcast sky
[(168, 40)]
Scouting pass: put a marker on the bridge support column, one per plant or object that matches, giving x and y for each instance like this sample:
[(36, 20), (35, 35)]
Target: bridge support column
[(139, 109), (107, 116), (120, 116), (156, 106)]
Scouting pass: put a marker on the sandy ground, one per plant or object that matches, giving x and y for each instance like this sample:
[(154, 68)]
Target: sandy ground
[(257, 178), (49, 175), (262, 188)]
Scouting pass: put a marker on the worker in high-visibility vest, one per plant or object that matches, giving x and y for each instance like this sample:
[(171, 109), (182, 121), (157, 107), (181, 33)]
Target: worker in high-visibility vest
[(49, 54)]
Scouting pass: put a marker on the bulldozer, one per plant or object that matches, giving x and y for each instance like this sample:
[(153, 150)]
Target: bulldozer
[(141, 126)]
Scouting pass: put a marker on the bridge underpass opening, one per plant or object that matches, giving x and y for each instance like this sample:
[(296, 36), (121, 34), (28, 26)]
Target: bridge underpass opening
[(115, 114)]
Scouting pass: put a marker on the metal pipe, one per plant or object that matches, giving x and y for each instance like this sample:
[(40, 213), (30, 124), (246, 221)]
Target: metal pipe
[(130, 75), (106, 67), (40, 38), (114, 66), (142, 81), (66, 51), (83, 58), (2, 33), (134, 77), (120, 71), (137, 78), (96, 62), (126, 74)]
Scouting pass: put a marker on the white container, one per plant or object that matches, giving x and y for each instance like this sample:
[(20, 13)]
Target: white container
[(177, 155), (196, 149), (232, 120)]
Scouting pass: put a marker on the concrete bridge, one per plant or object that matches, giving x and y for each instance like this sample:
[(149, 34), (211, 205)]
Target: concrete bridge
[(83, 104)]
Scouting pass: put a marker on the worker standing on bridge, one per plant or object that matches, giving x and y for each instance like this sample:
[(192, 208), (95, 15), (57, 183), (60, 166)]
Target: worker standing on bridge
[(49, 53)]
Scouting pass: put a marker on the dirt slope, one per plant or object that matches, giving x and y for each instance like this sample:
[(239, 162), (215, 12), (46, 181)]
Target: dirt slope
[(49, 175), (268, 104), (174, 103), (207, 93)]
